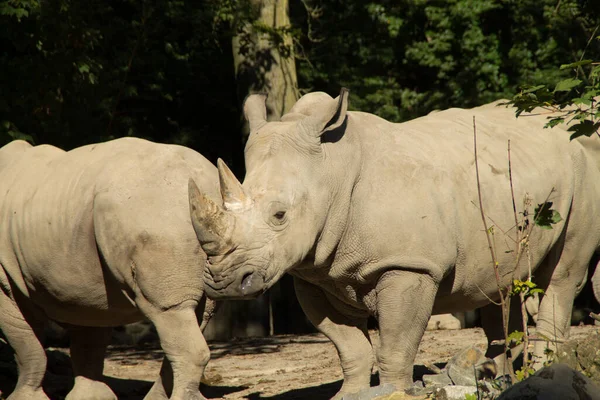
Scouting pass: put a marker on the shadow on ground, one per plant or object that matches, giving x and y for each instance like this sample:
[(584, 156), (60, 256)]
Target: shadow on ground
[(58, 380), (260, 345), (327, 390)]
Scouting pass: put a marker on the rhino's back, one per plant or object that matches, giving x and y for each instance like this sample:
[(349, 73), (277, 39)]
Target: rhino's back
[(50, 233), (422, 175), (11, 152)]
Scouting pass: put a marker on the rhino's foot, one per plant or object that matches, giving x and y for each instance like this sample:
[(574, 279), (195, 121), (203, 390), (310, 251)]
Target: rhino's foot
[(87, 389), (27, 393), (366, 393), (159, 394)]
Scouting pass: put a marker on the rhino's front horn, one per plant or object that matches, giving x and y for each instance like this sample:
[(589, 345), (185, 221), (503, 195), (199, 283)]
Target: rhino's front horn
[(211, 223), (232, 192)]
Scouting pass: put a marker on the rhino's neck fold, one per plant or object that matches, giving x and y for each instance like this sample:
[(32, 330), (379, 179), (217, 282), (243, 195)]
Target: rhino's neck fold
[(343, 160)]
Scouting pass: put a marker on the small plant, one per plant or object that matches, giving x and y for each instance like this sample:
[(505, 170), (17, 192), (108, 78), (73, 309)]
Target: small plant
[(543, 217), (572, 101)]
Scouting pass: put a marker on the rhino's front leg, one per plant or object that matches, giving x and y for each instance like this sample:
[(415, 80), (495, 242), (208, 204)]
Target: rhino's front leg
[(185, 350), (348, 333), (164, 382), (404, 304), (23, 334)]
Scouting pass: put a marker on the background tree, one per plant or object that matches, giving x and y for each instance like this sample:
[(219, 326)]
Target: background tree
[(263, 54)]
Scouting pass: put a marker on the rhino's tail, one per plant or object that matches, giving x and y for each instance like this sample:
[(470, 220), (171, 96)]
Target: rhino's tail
[(596, 281), (594, 272)]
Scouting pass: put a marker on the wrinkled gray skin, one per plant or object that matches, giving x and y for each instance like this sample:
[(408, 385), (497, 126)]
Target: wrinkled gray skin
[(376, 218), (98, 237)]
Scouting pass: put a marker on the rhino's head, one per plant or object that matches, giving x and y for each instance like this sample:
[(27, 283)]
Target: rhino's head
[(271, 223)]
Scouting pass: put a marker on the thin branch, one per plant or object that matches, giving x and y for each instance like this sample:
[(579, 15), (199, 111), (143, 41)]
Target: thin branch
[(487, 297), (512, 195), (586, 47), (504, 232), (504, 302), (525, 318)]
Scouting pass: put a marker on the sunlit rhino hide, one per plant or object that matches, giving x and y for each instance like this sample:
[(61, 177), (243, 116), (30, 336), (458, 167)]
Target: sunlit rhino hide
[(383, 219), (97, 237)]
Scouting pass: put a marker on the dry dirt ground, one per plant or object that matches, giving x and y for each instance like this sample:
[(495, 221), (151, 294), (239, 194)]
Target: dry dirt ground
[(280, 367)]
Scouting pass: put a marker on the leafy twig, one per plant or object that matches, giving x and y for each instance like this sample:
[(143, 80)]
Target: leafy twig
[(503, 300)]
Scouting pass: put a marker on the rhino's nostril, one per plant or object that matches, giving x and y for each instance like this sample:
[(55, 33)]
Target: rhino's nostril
[(247, 281)]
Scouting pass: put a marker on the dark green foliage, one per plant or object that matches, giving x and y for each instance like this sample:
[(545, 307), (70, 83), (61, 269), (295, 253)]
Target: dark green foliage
[(80, 72), (402, 59)]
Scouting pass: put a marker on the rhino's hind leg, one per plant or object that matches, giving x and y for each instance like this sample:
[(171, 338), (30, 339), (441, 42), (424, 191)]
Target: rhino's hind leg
[(29, 352), (556, 304), (491, 321), (348, 334), (88, 346)]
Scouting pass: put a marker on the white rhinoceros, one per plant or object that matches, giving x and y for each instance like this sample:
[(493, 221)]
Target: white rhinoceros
[(97, 237), (383, 219)]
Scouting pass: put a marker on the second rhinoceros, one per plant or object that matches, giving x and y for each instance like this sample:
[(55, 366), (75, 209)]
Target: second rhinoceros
[(383, 219), (96, 237)]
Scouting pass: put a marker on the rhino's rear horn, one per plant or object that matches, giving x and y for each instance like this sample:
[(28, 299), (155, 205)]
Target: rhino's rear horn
[(211, 223)]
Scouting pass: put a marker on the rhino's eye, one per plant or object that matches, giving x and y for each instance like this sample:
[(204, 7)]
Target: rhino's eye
[(276, 214), (278, 219)]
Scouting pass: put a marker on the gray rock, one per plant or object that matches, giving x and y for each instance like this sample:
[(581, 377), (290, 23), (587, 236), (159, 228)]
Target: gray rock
[(437, 380), (491, 390), (454, 392), (443, 322), (556, 382), (371, 393), (582, 355), (417, 389), (461, 368)]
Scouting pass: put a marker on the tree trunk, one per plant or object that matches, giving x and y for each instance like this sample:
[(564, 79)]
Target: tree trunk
[(263, 58), (263, 54)]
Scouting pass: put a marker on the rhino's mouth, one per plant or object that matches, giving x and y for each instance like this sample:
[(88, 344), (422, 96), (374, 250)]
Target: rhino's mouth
[(245, 284)]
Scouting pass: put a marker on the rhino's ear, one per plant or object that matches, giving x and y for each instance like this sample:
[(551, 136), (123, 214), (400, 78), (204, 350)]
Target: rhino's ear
[(329, 116), (255, 110)]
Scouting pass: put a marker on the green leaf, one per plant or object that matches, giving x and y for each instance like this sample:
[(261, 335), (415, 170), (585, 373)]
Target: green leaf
[(566, 85), (533, 89), (516, 337), (83, 68), (582, 100), (576, 64), (545, 216), (584, 128), (554, 121)]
